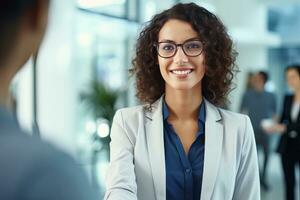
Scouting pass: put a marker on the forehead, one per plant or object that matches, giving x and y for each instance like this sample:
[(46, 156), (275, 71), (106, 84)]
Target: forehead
[(259, 76), (292, 72), (177, 31)]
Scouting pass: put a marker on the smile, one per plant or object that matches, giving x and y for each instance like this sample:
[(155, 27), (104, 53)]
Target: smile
[(182, 72)]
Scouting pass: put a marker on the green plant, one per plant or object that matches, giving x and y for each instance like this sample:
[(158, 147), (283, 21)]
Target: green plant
[(100, 100)]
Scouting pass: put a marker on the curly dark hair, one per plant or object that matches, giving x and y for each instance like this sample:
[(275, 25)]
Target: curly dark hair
[(218, 47)]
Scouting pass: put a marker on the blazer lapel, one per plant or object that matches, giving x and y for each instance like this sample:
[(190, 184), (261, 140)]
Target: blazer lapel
[(155, 144), (213, 149)]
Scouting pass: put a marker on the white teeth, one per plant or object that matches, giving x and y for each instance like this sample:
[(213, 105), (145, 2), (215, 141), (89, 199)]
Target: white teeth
[(182, 71)]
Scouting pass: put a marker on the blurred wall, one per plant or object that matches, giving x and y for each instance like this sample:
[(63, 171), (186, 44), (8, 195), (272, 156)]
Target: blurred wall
[(56, 88)]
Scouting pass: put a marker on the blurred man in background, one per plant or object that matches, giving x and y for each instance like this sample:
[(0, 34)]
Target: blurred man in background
[(29, 168), (260, 105)]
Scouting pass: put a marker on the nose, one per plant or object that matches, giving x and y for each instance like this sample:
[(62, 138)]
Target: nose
[(180, 56)]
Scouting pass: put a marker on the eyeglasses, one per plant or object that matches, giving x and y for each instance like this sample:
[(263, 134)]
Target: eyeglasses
[(191, 48)]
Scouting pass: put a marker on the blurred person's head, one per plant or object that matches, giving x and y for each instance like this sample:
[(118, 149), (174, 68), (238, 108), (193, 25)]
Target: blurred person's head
[(259, 80), (292, 73), (195, 35), (249, 80), (22, 27), (264, 76)]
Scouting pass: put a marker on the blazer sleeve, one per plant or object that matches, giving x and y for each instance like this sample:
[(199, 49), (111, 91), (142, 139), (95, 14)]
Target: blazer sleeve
[(247, 185), (285, 117), (284, 114), (120, 177)]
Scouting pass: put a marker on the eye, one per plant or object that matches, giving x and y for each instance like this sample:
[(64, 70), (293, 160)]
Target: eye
[(167, 47), (193, 45)]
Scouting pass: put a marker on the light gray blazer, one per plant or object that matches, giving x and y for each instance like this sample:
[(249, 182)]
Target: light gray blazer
[(137, 158)]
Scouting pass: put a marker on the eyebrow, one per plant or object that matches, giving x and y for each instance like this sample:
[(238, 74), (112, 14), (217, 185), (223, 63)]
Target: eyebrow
[(171, 41)]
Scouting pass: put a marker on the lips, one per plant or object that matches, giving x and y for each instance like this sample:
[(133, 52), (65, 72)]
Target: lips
[(181, 71)]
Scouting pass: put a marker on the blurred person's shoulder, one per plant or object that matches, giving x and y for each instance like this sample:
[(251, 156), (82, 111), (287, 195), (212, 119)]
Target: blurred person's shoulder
[(270, 94), (33, 169), (249, 93), (21, 144), (289, 96)]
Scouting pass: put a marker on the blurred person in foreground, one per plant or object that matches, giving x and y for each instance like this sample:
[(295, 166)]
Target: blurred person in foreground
[(289, 128), (29, 168), (180, 144), (260, 105)]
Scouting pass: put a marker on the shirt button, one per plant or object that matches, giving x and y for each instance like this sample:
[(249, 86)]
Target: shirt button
[(188, 171)]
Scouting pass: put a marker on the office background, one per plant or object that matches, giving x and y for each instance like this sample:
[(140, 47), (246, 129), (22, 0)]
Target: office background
[(93, 40)]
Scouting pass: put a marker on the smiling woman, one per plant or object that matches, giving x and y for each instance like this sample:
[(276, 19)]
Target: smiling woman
[(178, 144)]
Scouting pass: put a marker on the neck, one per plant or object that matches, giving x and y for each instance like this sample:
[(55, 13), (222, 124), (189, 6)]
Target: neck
[(183, 105), (260, 88), (297, 95)]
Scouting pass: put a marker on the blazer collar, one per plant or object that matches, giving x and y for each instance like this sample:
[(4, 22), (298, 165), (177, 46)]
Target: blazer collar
[(155, 143), (214, 132)]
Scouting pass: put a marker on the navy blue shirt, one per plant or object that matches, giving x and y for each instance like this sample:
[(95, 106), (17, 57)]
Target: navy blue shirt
[(183, 172)]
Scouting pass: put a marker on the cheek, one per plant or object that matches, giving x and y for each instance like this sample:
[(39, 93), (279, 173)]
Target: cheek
[(200, 63), (163, 64), (201, 67), (292, 82), (160, 62), (162, 67)]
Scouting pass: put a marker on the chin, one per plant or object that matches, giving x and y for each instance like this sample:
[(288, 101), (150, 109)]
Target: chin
[(183, 86)]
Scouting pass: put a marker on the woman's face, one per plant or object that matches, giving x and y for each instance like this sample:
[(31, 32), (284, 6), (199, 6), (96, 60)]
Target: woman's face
[(293, 79), (181, 72)]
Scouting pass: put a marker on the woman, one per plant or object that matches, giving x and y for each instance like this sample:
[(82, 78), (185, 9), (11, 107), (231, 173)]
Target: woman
[(179, 145), (289, 127)]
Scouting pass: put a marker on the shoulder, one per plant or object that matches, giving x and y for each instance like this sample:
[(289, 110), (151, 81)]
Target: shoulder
[(232, 117), (130, 113), (248, 95), (270, 94), (28, 161), (131, 110), (237, 127), (249, 92), (128, 120), (229, 119), (31, 151), (289, 97)]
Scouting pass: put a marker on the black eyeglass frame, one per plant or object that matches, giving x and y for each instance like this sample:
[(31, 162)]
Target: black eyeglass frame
[(156, 45)]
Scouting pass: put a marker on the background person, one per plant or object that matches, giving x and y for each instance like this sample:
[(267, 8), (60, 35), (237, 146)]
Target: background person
[(29, 168), (289, 128), (259, 105)]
